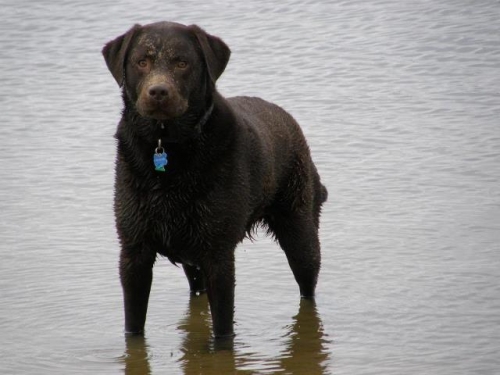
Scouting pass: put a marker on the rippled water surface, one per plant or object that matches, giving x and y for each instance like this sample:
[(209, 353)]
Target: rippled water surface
[(400, 102)]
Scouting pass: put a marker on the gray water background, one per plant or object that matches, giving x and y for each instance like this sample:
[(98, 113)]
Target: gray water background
[(400, 102)]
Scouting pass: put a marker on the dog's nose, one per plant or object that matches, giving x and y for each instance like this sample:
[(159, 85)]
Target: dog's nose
[(158, 92)]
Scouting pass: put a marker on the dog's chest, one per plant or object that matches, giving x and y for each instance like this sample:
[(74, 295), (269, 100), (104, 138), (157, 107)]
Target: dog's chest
[(178, 223)]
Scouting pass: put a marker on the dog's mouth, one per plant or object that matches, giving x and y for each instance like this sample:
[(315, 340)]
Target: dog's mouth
[(165, 110), (157, 113)]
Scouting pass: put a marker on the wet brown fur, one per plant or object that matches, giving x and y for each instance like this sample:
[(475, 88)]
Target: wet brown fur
[(233, 164)]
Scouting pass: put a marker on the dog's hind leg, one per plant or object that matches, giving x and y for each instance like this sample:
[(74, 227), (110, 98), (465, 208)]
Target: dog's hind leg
[(297, 235), (195, 278)]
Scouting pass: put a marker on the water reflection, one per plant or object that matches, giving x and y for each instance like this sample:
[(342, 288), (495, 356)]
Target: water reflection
[(136, 356), (200, 351), (304, 348), (306, 351)]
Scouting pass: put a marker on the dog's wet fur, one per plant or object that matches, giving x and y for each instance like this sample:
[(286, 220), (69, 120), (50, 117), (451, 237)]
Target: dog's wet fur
[(233, 164)]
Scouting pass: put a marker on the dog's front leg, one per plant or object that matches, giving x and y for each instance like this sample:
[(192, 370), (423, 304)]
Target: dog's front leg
[(219, 275), (136, 275)]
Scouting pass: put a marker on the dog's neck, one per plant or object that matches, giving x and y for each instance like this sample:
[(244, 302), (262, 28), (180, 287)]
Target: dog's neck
[(139, 137), (187, 122), (160, 156), (187, 127)]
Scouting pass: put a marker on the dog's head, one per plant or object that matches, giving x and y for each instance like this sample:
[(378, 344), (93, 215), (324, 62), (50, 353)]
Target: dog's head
[(166, 68)]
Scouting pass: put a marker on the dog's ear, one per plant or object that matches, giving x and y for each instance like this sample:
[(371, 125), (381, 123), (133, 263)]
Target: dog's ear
[(215, 52), (115, 53)]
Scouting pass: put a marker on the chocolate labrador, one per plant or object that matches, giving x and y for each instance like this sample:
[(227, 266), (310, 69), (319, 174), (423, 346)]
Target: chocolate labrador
[(196, 173)]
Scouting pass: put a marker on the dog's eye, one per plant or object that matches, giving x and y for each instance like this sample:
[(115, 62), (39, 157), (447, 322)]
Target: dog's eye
[(182, 64), (143, 63)]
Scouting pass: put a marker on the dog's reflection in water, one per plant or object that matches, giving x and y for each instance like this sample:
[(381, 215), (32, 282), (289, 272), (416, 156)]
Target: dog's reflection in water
[(201, 353), (304, 352), (136, 356)]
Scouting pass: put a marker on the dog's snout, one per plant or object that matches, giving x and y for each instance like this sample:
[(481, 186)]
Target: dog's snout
[(160, 99), (158, 92)]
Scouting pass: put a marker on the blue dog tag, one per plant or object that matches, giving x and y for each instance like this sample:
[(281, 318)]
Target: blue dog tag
[(160, 161)]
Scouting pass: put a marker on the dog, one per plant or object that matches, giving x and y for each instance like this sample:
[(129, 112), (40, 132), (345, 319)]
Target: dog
[(196, 173)]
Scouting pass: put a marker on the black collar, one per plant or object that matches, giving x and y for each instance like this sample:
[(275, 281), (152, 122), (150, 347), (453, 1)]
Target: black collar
[(175, 132), (205, 117)]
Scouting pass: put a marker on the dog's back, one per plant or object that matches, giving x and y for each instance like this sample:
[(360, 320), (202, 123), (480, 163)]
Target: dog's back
[(272, 132)]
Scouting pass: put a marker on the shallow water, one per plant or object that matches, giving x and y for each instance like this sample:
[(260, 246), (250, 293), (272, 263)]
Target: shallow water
[(400, 103)]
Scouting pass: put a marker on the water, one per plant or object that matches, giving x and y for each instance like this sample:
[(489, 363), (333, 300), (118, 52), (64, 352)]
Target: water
[(400, 102)]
